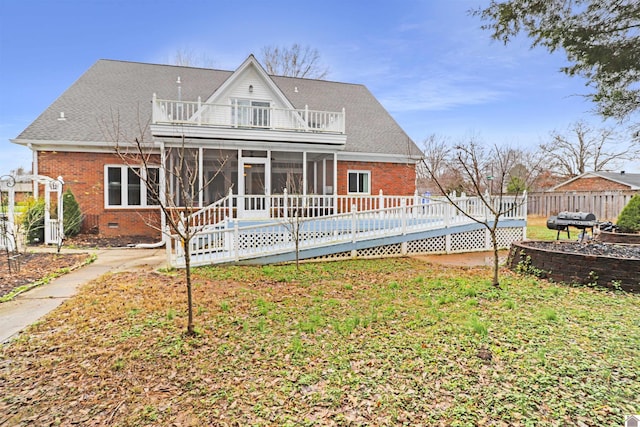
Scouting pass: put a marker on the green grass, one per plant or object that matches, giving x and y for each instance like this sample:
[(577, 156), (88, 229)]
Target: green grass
[(537, 229), (382, 342)]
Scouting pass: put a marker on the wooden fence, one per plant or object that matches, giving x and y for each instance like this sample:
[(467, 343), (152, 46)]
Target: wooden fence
[(606, 205)]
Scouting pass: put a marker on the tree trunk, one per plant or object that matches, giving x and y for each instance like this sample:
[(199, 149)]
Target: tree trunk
[(187, 266), (496, 260)]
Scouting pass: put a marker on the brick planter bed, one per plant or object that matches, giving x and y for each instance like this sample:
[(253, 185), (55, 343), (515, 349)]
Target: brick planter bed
[(571, 267), (629, 238)]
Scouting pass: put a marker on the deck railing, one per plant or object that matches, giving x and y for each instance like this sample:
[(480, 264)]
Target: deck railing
[(228, 241), (234, 115)]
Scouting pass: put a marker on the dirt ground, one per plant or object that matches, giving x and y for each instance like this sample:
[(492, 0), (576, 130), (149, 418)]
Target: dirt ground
[(32, 266), (469, 259)]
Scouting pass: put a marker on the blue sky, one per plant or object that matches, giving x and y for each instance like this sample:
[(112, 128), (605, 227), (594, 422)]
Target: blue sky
[(427, 62)]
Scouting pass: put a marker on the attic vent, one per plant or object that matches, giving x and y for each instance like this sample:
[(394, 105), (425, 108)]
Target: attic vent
[(295, 89), (62, 117)]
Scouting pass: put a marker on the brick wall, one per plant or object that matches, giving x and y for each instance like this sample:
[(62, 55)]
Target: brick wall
[(578, 268), (83, 173), (592, 184), (627, 238), (393, 178)]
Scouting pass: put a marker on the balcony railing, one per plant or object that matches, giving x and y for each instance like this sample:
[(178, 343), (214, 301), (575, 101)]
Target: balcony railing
[(247, 116)]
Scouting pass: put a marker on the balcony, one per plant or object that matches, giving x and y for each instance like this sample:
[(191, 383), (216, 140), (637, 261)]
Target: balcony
[(247, 115)]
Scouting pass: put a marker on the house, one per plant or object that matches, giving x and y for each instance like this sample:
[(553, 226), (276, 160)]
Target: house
[(601, 181), (246, 132), (604, 194)]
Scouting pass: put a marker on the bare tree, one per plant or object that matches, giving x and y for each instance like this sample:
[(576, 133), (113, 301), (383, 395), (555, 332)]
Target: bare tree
[(486, 172), (294, 61), (437, 156), (186, 57), (176, 205), (294, 215), (586, 149)]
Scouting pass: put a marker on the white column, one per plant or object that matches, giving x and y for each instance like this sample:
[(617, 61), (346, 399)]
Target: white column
[(335, 183), (200, 177), (304, 173), (162, 197)]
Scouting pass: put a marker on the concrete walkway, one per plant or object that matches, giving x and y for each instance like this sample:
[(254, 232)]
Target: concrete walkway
[(29, 307)]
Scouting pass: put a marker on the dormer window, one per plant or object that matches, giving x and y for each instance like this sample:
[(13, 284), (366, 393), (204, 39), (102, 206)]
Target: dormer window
[(250, 113)]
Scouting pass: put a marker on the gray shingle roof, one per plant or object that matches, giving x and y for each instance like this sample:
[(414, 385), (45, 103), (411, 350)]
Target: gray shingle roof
[(630, 179), (120, 92)]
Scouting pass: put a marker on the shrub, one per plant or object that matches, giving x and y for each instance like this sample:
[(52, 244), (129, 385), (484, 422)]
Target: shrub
[(71, 214), (629, 218), (33, 221)]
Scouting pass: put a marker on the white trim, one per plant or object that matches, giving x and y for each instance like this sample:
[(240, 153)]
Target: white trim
[(360, 171), (347, 156), (228, 135), (80, 146), (125, 184), (250, 61)]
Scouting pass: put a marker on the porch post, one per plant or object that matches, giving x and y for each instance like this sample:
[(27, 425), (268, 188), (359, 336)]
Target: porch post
[(34, 180), (335, 183), (324, 175), (304, 173), (47, 212), (240, 194), (200, 177), (60, 236), (163, 198)]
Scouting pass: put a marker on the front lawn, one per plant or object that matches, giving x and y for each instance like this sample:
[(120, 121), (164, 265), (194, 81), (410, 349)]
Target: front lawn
[(381, 342)]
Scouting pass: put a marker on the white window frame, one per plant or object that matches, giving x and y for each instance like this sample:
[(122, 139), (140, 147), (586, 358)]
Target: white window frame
[(124, 194), (243, 113), (367, 173)]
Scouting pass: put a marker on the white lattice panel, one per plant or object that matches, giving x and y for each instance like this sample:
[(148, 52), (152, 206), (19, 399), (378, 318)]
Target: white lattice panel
[(254, 240), (433, 244), (333, 257), (506, 236), (468, 241), (380, 251)]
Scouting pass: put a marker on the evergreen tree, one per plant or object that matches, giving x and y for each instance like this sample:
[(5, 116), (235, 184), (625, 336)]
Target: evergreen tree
[(629, 218), (71, 213), (33, 221)]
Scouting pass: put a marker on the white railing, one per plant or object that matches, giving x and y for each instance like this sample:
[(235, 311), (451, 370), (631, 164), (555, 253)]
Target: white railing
[(52, 232), (214, 213), (165, 111), (229, 242)]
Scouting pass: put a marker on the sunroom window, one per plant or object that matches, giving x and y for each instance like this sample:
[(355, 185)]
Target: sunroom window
[(125, 187), (358, 182)]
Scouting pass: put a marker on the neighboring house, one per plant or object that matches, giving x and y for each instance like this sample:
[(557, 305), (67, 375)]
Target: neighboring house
[(246, 132), (601, 181), (603, 193)]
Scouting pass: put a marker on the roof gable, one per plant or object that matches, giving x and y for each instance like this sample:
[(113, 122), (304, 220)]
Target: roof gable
[(250, 80)]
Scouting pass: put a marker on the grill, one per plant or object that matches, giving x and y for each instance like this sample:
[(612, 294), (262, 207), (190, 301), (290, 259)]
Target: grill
[(579, 220)]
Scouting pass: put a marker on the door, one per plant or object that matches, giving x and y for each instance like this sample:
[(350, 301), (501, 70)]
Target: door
[(253, 195)]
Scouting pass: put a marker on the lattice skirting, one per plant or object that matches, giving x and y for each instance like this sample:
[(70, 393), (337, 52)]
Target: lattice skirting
[(468, 241)]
